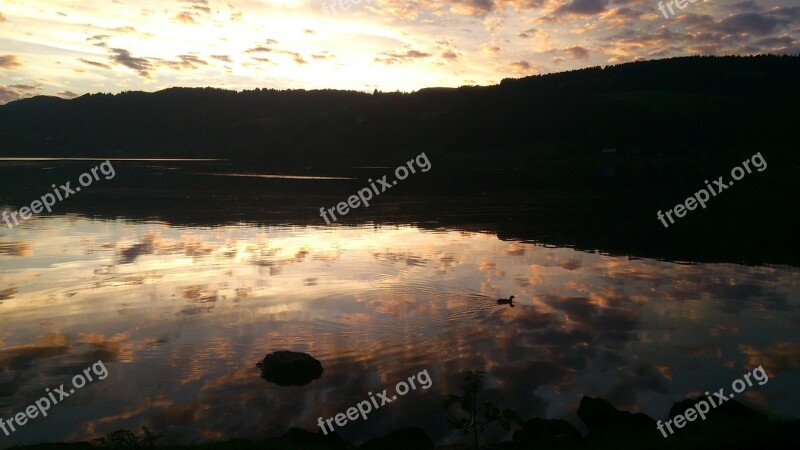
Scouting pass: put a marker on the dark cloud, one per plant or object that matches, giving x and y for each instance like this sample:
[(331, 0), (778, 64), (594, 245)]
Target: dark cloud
[(295, 56), (17, 248), (583, 7), (25, 87), (191, 61), (9, 62), (577, 52), (410, 55), (779, 357), (224, 58), (521, 66), (792, 13), (450, 55), (751, 23), (747, 5), (140, 65), (631, 383), (258, 50), (23, 357), (94, 63), (99, 40), (9, 94)]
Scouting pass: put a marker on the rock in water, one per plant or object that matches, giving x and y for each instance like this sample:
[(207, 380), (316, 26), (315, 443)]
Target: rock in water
[(286, 368)]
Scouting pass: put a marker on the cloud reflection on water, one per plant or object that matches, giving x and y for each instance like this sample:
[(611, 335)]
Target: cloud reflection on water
[(181, 315)]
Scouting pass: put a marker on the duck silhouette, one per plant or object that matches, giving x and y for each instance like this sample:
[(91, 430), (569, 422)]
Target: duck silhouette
[(506, 301)]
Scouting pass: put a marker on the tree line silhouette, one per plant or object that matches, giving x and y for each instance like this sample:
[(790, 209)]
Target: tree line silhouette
[(688, 107)]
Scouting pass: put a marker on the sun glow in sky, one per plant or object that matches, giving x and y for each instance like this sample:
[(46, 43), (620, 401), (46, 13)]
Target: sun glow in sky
[(69, 48)]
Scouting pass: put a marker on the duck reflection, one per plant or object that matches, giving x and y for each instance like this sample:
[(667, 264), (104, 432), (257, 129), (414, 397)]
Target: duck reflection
[(506, 301)]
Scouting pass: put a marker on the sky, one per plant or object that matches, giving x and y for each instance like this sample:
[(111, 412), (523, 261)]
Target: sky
[(70, 48)]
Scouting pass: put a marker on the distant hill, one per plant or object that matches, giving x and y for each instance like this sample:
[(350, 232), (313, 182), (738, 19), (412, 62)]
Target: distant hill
[(680, 108)]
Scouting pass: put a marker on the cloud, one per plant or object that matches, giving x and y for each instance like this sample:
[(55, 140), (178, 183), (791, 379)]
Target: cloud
[(25, 87), (15, 248), (752, 23), (450, 55), (409, 55), (140, 65), (185, 17), (94, 63), (780, 357), (577, 52), (583, 7), (258, 50), (183, 62), (747, 5), (191, 60), (67, 94), (521, 65), (533, 33), (295, 56), (9, 62), (224, 58), (99, 40), (9, 94), (3, 18)]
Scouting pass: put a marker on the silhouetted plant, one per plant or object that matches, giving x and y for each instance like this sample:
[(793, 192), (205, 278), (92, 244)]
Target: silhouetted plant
[(467, 419), (126, 439)]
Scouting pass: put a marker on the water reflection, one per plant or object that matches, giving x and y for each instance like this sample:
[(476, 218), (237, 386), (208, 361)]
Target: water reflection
[(178, 315)]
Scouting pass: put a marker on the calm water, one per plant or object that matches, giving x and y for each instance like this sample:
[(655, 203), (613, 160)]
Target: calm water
[(181, 315)]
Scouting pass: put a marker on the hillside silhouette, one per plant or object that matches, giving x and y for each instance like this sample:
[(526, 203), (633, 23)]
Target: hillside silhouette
[(689, 107), (529, 159)]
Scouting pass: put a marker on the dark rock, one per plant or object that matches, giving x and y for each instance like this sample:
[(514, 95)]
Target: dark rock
[(297, 438), (728, 410), (403, 439), (601, 416), (608, 425), (730, 426), (286, 368), (547, 434)]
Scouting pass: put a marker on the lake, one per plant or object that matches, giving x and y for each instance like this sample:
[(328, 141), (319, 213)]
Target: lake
[(180, 312)]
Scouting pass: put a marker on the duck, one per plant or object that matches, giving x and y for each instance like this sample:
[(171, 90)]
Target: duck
[(506, 301)]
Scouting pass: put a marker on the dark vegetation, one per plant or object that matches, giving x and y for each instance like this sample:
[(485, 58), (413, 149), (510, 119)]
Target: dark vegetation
[(692, 107)]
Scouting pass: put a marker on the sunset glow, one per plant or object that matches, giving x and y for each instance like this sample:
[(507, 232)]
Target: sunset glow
[(65, 48)]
